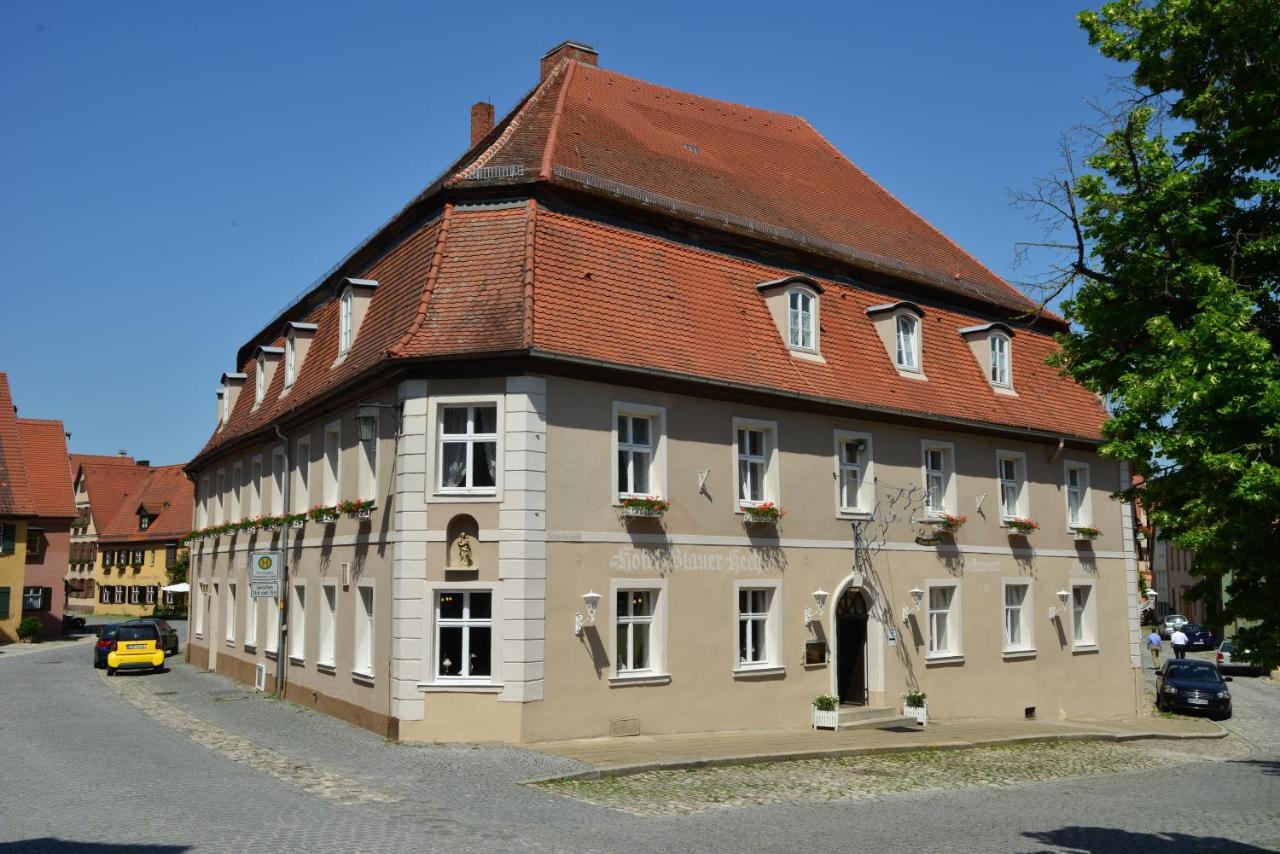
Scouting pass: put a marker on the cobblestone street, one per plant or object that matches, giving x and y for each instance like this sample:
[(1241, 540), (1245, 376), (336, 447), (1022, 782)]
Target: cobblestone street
[(222, 768)]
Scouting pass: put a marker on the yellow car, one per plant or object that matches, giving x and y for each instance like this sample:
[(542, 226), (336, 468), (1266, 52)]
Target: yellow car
[(137, 646)]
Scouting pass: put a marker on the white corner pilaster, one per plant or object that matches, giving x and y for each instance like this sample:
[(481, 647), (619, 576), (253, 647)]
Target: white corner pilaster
[(409, 565), (1130, 573)]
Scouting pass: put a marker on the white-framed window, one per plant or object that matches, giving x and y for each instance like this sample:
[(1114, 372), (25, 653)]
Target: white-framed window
[(298, 622), (1019, 625), (219, 497), (290, 359), (237, 480), (363, 657), (1079, 510), (328, 624), (367, 463), (758, 625), (944, 619), (301, 475), (332, 463), (119, 594), (260, 380), (345, 313), (278, 475), (272, 645), (201, 608), (468, 448), (255, 487), (801, 319), (855, 478), (464, 636), (230, 630), (755, 461), (639, 436), (224, 405), (135, 594), (1011, 475), (939, 477), (202, 505), (636, 609), (149, 594), (1001, 359), (1084, 615), (251, 621), (906, 338)]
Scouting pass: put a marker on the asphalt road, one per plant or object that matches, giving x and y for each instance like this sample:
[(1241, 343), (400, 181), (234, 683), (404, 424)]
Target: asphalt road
[(188, 761)]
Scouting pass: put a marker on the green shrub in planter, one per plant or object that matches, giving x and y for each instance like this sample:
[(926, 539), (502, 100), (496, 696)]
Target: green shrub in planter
[(914, 699), (826, 703), (28, 628)]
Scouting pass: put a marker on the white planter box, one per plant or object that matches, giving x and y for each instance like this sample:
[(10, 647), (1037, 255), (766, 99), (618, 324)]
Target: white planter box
[(921, 713), (298, 523), (825, 720), (640, 512)]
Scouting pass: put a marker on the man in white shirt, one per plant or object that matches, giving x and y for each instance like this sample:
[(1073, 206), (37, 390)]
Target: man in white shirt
[(1179, 640)]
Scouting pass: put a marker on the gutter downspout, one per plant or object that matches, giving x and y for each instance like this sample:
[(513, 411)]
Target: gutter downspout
[(283, 585)]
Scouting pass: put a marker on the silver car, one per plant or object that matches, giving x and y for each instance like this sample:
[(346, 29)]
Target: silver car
[(1172, 623)]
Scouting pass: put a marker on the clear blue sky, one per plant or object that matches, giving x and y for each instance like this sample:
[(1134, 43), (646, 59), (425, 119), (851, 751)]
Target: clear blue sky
[(174, 173)]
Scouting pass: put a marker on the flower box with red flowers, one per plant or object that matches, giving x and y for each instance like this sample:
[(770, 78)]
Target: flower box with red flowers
[(1019, 527), (764, 513), (1086, 532), (948, 523), (357, 508), (325, 515), (643, 507)]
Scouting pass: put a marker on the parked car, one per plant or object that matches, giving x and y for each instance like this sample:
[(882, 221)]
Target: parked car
[(1188, 685), (168, 634), (1198, 637), (1171, 623), (1235, 659), (137, 647), (106, 643), (72, 623)]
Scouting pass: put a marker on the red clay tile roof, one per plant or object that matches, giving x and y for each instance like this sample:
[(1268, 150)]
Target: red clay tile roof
[(79, 459), (111, 485), (15, 488), (166, 492), (44, 444)]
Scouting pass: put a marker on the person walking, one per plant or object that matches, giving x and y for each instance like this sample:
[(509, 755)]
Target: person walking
[(1179, 640), (1154, 643)]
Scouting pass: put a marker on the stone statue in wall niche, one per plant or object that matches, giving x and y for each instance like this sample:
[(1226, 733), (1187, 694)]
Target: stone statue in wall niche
[(465, 558)]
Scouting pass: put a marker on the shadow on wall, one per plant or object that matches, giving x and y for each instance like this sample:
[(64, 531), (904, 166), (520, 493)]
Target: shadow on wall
[(1106, 839), (49, 844)]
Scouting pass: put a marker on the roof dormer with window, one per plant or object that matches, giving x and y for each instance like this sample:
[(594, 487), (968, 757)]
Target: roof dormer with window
[(900, 327), (992, 347), (264, 372), (353, 304), (793, 305), (297, 340), (231, 384)]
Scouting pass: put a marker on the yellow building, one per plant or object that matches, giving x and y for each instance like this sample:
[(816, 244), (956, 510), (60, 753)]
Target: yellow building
[(16, 506), (13, 561)]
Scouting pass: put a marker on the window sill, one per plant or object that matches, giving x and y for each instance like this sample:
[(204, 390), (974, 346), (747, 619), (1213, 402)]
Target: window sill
[(861, 515), (326, 667), (489, 495), (1019, 653), (759, 672), (459, 688), (271, 654), (231, 642), (295, 660), (944, 658), (640, 679), (1084, 648), (361, 677)]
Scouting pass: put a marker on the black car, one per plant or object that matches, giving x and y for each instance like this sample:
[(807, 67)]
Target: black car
[(1188, 685), (1198, 637), (106, 642), (72, 623), (168, 634)]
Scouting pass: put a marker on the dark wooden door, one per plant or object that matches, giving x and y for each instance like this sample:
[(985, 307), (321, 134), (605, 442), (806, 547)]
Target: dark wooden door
[(851, 648)]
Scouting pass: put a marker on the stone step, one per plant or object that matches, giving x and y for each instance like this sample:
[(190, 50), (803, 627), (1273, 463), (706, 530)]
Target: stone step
[(873, 717)]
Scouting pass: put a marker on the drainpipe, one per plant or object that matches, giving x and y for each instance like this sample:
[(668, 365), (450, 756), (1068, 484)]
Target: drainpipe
[(287, 481)]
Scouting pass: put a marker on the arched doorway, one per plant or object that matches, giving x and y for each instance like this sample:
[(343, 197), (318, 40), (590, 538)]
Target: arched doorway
[(851, 647)]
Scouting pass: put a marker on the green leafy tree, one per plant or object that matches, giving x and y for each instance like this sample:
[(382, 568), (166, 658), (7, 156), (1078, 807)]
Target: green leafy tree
[(1171, 277)]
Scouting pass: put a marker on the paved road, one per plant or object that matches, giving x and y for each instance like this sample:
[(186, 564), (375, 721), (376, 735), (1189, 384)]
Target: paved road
[(187, 761)]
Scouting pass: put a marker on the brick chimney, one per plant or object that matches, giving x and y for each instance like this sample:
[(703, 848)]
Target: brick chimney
[(583, 53), (481, 120)]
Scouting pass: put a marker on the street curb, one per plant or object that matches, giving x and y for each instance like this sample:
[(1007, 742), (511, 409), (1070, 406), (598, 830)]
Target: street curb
[(838, 752)]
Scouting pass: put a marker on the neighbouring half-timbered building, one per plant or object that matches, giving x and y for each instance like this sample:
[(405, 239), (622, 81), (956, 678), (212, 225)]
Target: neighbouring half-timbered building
[(652, 414)]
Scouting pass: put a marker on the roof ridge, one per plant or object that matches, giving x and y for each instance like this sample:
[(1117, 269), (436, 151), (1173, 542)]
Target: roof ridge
[(544, 173), (428, 286)]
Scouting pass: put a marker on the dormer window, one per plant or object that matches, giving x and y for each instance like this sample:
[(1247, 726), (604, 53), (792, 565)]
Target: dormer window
[(144, 521), (999, 343), (297, 341), (800, 305), (290, 359), (992, 348), (352, 307), (907, 342), (222, 406), (344, 322), (260, 380)]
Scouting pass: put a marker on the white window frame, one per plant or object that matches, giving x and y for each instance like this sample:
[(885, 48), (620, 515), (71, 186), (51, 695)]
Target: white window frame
[(326, 655), (367, 461), (1000, 367), (772, 618), (657, 670), (255, 486), (1026, 618), (770, 487), (229, 624), (301, 490), (202, 511), (364, 630), (219, 497), (149, 594), (466, 622), (1086, 499), (135, 594), (1084, 624), (290, 360), (954, 650), (866, 475), (1021, 502), (278, 474), (251, 622), (272, 642), (948, 476), (346, 314), (657, 416), (911, 349), (799, 318), (297, 634), (201, 609), (436, 425), (233, 492), (260, 380), (331, 471)]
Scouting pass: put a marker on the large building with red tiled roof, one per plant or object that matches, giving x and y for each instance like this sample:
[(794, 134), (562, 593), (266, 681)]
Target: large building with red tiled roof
[(655, 413)]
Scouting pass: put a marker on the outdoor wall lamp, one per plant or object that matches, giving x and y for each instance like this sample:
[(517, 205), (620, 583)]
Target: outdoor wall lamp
[(367, 419), (1064, 596), (592, 600), (917, 595), (1149, 601), (819, 599)]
